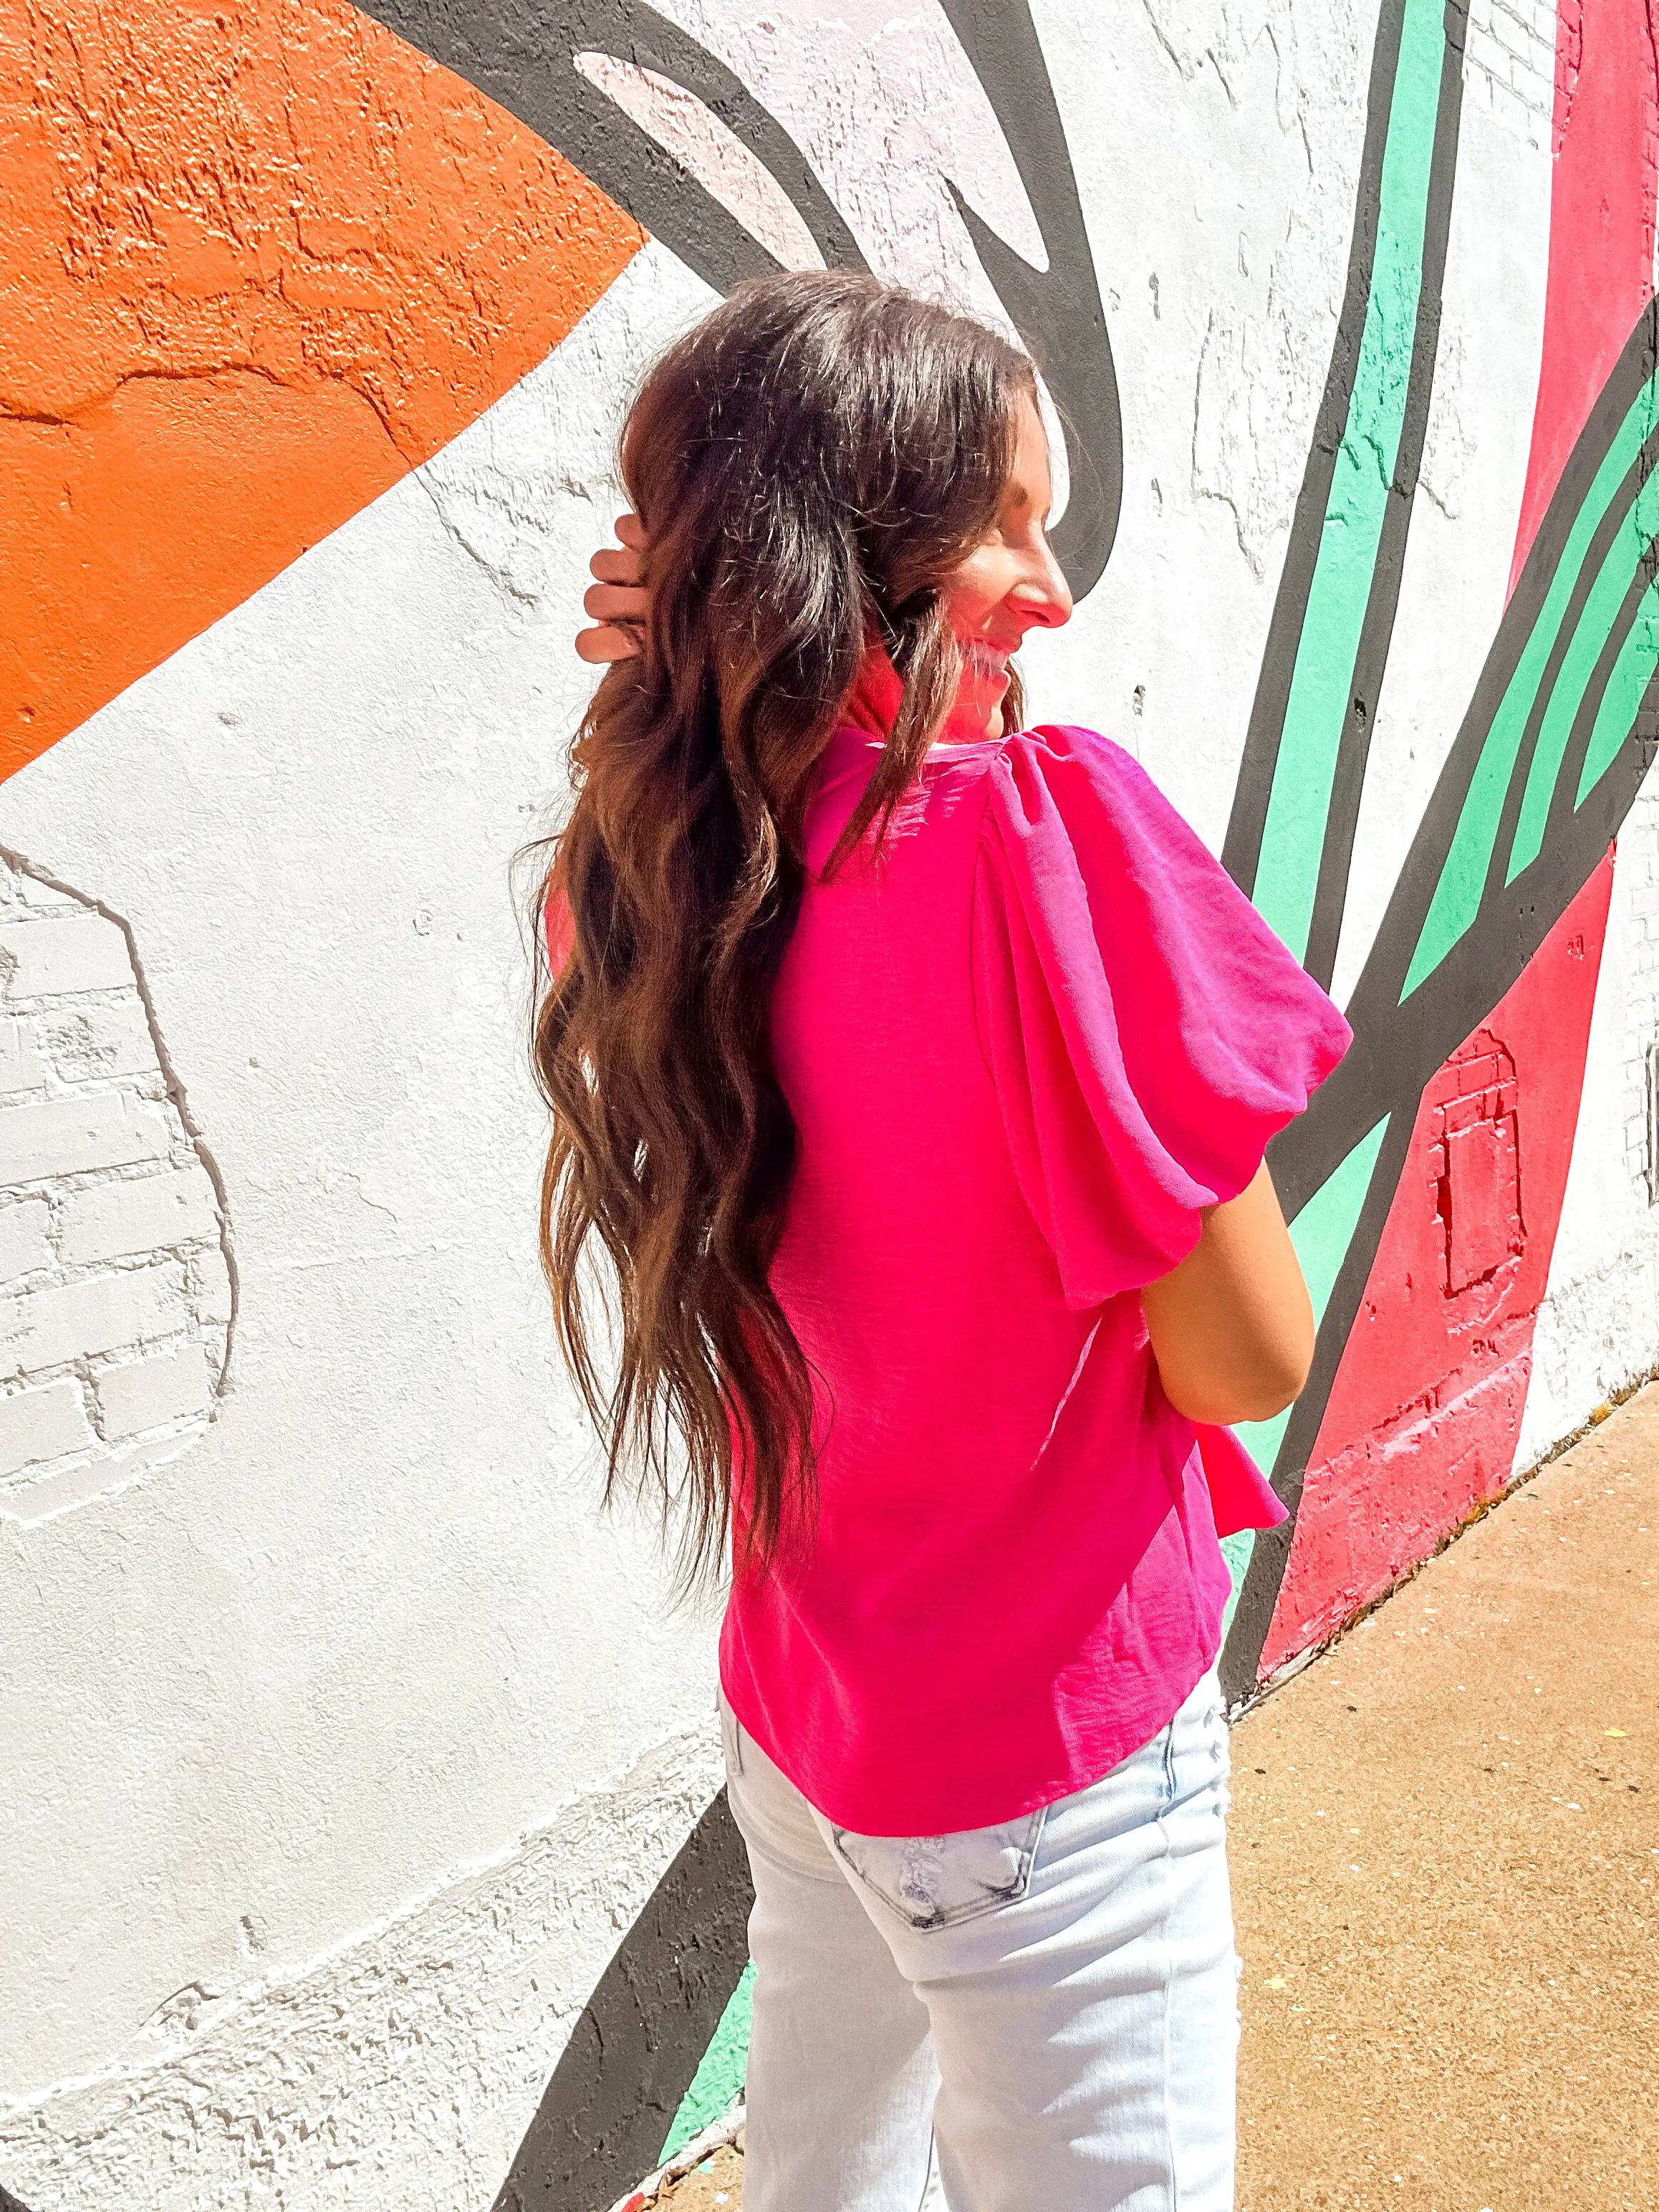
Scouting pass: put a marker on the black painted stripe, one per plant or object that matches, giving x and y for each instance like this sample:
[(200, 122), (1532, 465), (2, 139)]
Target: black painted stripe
[(1057, 312), (1376, 632), (606, 2110), (1509, 936), (522, 56), (1396, 1044), (1397, 1048), (1270, 1554), (1638, 755), (1241, 851), (1596, 552)]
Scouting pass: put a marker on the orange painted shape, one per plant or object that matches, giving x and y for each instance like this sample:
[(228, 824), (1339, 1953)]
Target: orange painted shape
[(259, 260), (143, 526)]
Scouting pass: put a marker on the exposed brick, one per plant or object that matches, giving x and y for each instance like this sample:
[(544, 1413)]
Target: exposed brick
[(71, 1320), (117, 1217), (1512, 112), (22, 1066), (23, 1246), (213, 1298), (1534, 89), (151, 1391), (42, 1424), (62, 953), (99, 1040), (67, 1136), (1513, 36)]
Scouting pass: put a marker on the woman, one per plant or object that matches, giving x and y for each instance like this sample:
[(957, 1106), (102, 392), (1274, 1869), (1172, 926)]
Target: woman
[(913, 1072)]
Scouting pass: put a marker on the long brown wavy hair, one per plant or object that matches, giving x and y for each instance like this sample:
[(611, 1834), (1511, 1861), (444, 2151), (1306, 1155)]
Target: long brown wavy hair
[(809, 464)]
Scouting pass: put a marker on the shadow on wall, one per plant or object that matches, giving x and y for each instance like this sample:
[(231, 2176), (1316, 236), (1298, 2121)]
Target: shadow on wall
[(647, 2024)]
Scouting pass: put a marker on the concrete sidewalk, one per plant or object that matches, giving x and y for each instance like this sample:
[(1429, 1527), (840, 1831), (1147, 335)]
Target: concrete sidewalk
[(1445, 1846), (1445, 1849)]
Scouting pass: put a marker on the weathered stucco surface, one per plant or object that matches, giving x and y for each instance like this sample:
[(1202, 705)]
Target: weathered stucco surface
[(371, 1630), (399, 2066), (349, 1741)]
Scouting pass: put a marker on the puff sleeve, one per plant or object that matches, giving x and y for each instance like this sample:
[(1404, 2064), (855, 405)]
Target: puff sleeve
[(1146, 1032)]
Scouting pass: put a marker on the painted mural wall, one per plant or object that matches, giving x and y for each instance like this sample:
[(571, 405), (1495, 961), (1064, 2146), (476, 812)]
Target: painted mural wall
[(361, 1842)]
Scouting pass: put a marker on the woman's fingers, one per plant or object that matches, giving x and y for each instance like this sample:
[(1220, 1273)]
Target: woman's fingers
[(603, 645), (616, 599), (610, 603), (620, 563)]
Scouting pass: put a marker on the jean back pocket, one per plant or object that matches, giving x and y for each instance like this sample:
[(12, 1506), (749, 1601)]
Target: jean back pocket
[(937, 1882)]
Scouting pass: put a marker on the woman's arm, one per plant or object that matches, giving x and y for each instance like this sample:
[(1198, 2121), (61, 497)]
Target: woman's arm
[(1232, 1327)]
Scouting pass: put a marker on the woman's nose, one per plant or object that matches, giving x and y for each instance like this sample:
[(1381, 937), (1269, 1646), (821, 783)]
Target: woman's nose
[(1044, 598)]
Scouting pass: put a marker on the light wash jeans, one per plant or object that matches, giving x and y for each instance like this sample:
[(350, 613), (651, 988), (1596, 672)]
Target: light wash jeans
[(1046, 2011)]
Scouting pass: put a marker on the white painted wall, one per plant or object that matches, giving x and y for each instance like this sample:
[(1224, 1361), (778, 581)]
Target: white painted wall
[(1598, 1328), (277, 1703)]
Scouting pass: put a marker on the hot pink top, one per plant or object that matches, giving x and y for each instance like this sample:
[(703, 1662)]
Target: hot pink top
[(1022, 1051)]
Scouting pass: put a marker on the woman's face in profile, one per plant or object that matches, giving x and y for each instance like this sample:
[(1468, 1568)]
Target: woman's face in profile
[(1009, 584)]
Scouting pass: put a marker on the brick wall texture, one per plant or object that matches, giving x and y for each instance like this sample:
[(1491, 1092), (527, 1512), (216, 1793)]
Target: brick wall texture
[(1509, 64), (116, 1278)]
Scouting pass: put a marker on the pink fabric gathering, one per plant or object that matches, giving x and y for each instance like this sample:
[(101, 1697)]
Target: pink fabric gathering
[(1023, 1049)]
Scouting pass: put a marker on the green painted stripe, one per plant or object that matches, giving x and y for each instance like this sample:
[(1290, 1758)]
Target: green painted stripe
[(1316, 711), (718, 2082), (1632, 672), (1458, 895), (1322, 1234), (1601, 609)]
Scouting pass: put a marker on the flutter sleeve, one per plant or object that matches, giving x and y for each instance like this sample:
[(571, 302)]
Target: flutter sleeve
[(1147, 1033)]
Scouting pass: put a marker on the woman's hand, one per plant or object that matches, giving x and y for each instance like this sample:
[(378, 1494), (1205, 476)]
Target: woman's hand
[(616, 599), (1232, 1327)]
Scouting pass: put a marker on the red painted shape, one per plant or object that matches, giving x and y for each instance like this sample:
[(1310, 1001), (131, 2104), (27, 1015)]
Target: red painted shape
[(1422, 1418), (1477, 1180), (1602, 207), (1426, 1413)]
